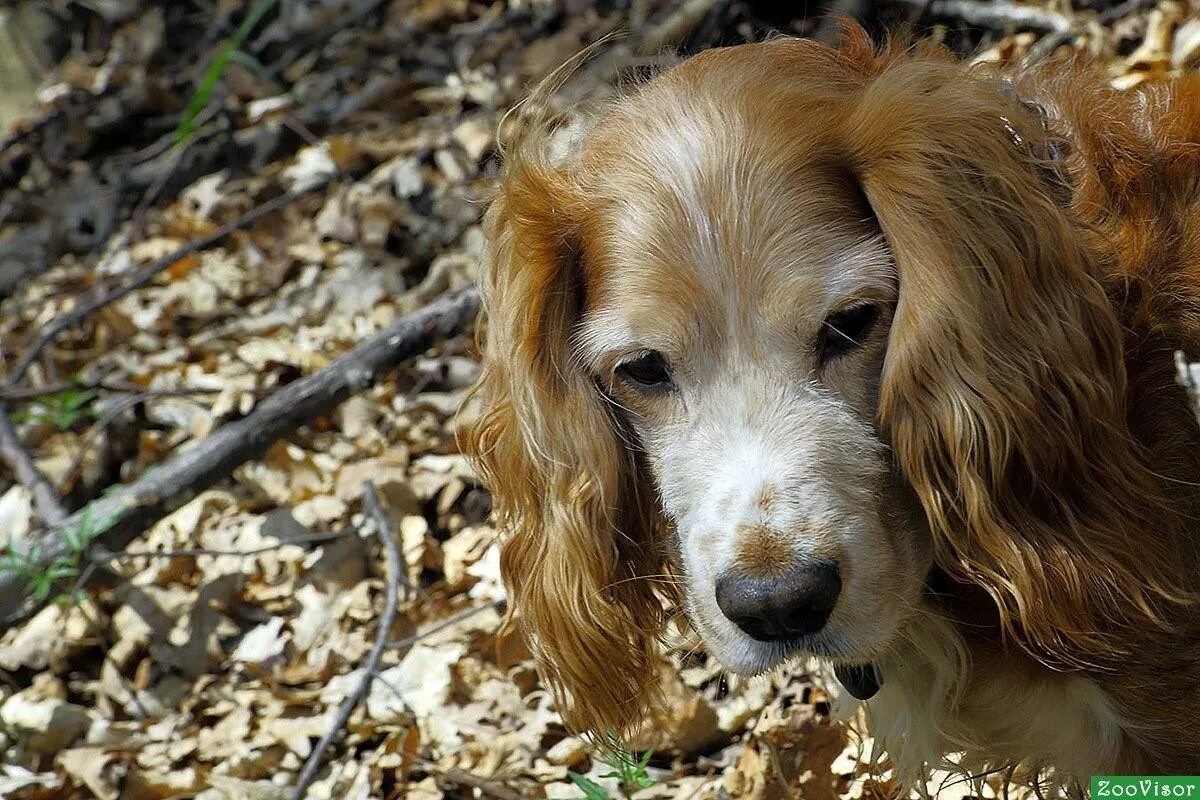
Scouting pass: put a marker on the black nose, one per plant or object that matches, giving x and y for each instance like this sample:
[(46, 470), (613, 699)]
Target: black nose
[(793, 603)]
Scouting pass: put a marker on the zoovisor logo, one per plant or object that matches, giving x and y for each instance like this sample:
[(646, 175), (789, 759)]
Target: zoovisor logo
[(1145, 786)]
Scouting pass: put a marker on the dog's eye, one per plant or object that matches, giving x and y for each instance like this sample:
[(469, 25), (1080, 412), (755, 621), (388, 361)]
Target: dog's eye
[(647, 371), (846, 330)]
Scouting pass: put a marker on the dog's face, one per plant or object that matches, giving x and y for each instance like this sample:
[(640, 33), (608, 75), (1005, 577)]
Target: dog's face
[(778, 331), (738, 325)]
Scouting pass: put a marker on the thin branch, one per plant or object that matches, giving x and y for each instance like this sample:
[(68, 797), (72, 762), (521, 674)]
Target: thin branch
[(50, 507), (1122, 10), (130, 510), (23, 393), (1045, 46), (461, 616), (102, 555), (997, 14), (387, 539), (142, 276), (666, 29), (374, 509), (310, 41), (93, 433)]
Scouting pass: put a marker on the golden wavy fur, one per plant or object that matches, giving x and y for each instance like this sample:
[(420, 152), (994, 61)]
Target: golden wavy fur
[(1042, 233)]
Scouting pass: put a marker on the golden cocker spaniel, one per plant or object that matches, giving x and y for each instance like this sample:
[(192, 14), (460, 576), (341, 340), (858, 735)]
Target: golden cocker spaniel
[(869, 353)]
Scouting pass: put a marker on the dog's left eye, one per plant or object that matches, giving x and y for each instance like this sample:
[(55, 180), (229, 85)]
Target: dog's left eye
[(845, 330), (647, 371)]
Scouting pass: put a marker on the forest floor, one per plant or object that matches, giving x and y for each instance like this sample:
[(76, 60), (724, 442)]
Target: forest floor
[(208, 649)]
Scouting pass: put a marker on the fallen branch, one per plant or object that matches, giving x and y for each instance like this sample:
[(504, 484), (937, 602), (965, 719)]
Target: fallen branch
[(461, 616), (101, 555), (128, 511), (374, 509), (1122, 10), (49, 507), (395, 568), (997, 14), (93, 435), (1045, 46)]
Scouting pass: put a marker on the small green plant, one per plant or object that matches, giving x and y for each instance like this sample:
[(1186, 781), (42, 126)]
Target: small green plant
[(230, 51), (629, 771), (42, 579), (63, 410)]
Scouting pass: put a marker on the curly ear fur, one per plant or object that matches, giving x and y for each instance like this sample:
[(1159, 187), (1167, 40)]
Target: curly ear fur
[(1004, 386), (581, 529)]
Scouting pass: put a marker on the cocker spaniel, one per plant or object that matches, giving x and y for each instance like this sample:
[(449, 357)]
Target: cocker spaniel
[(870, 352)]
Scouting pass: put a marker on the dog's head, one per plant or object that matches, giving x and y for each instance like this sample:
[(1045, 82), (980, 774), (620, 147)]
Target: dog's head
[(782, 328)]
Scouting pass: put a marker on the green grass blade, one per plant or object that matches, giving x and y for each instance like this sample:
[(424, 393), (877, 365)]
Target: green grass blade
[(216, 69)]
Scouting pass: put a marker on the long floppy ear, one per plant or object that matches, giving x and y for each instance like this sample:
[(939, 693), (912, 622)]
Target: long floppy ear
[(581, 527), (1004, 386)]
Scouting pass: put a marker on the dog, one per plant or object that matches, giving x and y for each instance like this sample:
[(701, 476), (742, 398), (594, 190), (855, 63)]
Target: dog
[(861, 353)]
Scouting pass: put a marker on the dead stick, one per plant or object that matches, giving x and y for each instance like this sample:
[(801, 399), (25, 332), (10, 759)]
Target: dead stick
[(461, 616), (386, 538), (993, 14), (100, 555), (665, 30), (37, 392), (90, 305), (374, 509), (128, 511), (93, 435), (1122, 10), (49, 507)]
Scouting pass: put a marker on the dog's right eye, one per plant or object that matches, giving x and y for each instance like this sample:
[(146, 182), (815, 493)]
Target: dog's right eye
[(647, 371), (845, 330)]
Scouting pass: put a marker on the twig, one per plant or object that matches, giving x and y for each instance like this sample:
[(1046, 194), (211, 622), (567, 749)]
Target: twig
[(22, 393), (1122, 10), (130, 510), (309, 42), (374, 508), (461, 616), (93, 433), (90, 305), (387, 539), (1045, 46), (667, 28), (50, 508), (671, 27), (777, 769), (102, 555), (999, 13)]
